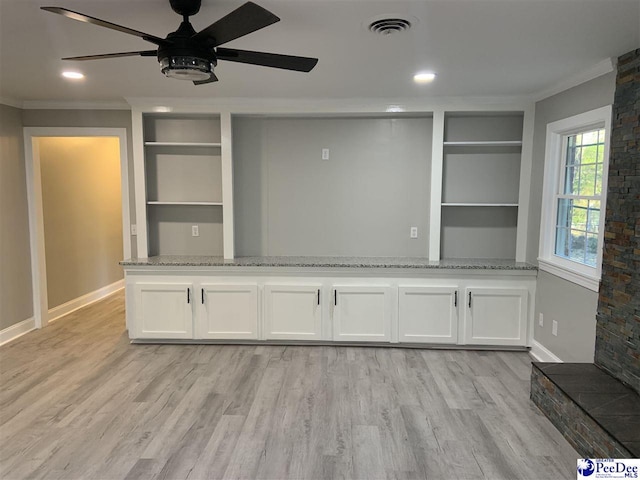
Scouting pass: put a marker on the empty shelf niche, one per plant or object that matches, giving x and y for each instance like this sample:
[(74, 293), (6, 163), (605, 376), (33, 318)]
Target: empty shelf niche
[(170, 230)]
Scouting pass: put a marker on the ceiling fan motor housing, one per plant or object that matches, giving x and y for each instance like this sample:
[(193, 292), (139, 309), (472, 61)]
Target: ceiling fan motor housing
[(183, 57), (185, 7)]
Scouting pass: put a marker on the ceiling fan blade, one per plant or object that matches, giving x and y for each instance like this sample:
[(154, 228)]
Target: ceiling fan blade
[(286, 62), (143, 53), (81, 17), (244, 20), (212, 78)]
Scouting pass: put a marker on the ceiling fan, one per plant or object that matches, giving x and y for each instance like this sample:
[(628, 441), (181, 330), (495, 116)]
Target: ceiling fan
[(190, 55)]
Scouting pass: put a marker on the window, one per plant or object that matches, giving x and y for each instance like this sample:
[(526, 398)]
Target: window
[(574, 196)]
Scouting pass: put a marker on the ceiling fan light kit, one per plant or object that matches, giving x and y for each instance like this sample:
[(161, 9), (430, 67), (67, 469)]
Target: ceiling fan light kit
[(189, 55)]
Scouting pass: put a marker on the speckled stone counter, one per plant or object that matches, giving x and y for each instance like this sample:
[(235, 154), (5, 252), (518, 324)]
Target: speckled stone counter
[(328, 262)]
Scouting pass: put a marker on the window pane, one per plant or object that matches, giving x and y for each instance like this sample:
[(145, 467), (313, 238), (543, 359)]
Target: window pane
[(587, 180), (589, 154), (579, 214), (572, 180), (562, 242), (598, 186), (577, 246), (593, 222), (592, 250), (590, 137), (573, 154), (564, 212)]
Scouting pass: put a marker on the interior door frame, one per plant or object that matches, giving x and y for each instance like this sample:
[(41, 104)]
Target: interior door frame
[(34, 198)]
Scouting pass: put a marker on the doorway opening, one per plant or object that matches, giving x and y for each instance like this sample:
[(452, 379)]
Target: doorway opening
[(79, 216)]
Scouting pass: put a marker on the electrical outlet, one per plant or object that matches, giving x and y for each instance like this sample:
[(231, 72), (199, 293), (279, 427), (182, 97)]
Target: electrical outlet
[(540, 320), (554, 328), (325, 154), (134, 229), (414, 232), (195, 231)]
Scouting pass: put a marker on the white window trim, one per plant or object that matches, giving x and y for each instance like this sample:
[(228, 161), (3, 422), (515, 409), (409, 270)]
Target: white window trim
[(588, 277)]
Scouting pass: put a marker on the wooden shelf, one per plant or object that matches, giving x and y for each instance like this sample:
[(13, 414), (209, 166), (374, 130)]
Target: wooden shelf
[(181, 144), (449, 204), (154, 202), (502, 143)]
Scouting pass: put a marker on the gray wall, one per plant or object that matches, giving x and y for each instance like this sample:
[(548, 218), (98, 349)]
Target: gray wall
[(90, 118), (572, 306), (362, 201), (16, 302)]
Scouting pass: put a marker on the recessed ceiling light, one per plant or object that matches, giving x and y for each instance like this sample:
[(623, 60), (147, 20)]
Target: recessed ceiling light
[(424, 77), (72, 75)]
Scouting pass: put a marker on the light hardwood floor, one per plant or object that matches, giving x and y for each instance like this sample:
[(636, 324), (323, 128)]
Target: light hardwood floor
[(79, 402)]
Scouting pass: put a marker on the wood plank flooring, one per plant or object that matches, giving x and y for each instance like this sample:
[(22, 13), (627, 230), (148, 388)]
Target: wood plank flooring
[(78, 401)]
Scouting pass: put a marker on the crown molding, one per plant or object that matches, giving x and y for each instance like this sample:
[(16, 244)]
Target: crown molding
[(327, 105), (601, 68), (10, 102), (62, 105)]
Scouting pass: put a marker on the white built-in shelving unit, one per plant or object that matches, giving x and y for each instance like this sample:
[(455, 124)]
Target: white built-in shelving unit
[(480, 182), (183, 178), (479, 179)]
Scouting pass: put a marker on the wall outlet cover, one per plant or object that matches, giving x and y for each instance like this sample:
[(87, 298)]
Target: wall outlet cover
[(540, 319), (414, 232), (134, 229), (325, 154), (195, 231)]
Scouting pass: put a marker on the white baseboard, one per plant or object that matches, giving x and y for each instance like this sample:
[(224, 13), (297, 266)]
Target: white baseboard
[(17, 330), (71, 306), (542, 354)]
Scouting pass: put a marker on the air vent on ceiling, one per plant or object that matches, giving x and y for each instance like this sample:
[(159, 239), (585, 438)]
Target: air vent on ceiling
[(388, 26)]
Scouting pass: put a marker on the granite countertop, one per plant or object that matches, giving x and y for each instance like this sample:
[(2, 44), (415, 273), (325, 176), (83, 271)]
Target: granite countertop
[(328, 262)]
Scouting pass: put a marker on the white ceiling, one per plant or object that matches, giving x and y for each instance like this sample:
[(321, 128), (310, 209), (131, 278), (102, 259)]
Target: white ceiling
[(477, 47)]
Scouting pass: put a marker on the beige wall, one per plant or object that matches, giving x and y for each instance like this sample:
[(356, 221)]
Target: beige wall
[(572, 306), (82, 211), (90, 118), (16, 302)]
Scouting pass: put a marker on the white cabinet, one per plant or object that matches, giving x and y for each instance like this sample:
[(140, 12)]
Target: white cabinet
[(163, 311), (428, 314), (496, 316), (491, 309), (293, 312), (362, 313), (228, 311)]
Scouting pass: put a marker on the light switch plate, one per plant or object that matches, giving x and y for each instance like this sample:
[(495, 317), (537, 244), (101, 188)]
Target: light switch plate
[(540, 320), (554, 328)]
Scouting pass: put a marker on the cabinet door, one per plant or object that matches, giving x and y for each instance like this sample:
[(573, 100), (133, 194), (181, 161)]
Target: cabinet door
[(293, 312), (496, 316), (362, 314), (229, 311), (164, 310), (428, 314)]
